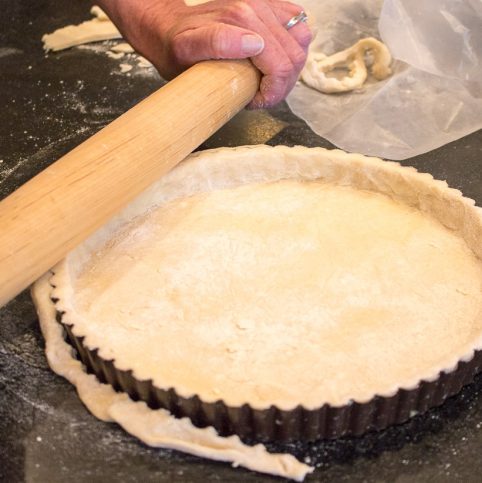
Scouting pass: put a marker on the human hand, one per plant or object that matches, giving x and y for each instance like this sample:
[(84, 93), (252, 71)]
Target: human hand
[(174, 36)]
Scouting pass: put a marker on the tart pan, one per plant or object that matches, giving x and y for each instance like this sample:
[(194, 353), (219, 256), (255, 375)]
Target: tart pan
[(224, 168), (273, 424)]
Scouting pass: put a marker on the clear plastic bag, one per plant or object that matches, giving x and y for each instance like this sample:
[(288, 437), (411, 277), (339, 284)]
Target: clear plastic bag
[(443, 37), (435, 93)]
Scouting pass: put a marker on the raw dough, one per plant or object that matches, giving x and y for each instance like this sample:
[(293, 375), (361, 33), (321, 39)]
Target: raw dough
[(95, 30), (268, 280), (118, 51), (114, 55), (97, 12), (143, 62), (294, 291), (123, 47), (155, 428), (319, 66), (125, 68)]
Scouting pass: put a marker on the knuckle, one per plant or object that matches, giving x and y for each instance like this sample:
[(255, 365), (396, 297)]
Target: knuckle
[(239, 11), (305, 37), (299, 58), (292, 5), (218, 40), (292, 8), (178, 48), (284, 69)]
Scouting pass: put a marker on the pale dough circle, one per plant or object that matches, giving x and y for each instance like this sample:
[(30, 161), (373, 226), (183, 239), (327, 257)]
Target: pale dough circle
[(282, 276)]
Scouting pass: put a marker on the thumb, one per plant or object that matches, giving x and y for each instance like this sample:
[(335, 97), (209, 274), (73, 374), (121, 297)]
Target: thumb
[(217, 41)]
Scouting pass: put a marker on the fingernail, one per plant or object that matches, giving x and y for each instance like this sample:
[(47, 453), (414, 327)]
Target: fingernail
[(252, 44)]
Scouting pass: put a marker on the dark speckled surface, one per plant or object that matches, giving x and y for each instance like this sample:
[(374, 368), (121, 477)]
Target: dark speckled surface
[(49, 105)]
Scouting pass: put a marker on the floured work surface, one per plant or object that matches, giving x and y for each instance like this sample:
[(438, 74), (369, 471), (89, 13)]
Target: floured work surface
[(36, 403), (99, 28), (293, 291)]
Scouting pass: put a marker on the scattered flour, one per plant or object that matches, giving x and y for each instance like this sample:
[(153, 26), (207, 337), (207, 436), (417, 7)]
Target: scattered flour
[(43, 153), (4, 51)]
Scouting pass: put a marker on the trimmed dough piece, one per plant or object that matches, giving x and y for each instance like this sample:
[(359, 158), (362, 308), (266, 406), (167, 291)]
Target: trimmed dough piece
[(125, 68), (143, 63), (353, 59), (95, 30), (96, 11), (114, 55), (157, 428), (123, 47)]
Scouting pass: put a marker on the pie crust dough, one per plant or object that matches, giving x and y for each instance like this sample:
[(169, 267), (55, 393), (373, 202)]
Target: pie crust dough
[(155, 428), (318, 67), (252, 259)]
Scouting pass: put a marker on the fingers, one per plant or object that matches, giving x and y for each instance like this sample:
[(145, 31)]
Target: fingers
[(285, 11), (283, 57), (275, 20), (279, 67), (216, 41), (237, 32), (233, 29)]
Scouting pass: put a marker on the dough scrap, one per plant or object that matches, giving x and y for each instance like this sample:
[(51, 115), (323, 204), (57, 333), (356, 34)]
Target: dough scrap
[(125, 68), (98, 29), (123, 47), (95, 30), (318, 66), (143, 62), (97, 12), (157, 428), (114, 55)]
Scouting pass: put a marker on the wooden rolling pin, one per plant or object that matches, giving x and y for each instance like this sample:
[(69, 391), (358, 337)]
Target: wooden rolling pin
[(52, 213)]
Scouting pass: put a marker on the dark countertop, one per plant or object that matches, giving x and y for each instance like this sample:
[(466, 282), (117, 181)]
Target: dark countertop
[(49, 105)]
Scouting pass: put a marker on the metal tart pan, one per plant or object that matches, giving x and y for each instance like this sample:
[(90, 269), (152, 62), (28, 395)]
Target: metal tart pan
[(273, 424)]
